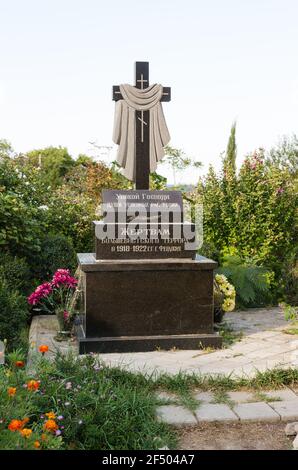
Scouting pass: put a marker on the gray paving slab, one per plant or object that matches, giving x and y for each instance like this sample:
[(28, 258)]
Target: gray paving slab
[(241, 397), (215, 412), (175, 415), (288, 410), (258, 411)]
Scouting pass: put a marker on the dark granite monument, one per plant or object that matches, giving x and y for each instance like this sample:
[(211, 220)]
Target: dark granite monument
[(144, 287)]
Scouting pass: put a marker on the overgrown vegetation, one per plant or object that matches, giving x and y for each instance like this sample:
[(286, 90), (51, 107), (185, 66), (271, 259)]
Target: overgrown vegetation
[(251, 217), (72, 403)]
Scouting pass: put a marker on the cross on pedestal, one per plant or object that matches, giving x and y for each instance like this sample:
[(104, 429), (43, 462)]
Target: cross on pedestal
[(142, 125)]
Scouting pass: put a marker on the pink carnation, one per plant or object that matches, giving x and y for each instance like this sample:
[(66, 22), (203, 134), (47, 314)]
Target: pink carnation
[(40, 292), (63, 277)]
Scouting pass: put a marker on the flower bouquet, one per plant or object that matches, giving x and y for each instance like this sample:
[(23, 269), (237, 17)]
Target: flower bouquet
[(57, 297), (224, 297)]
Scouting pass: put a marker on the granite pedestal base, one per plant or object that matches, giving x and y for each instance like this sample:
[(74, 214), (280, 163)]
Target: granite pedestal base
[(142, 305)]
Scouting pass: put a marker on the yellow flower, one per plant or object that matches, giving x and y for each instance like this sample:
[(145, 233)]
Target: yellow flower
[(220, 278), (51, 415), (26, 432), (228, 305)]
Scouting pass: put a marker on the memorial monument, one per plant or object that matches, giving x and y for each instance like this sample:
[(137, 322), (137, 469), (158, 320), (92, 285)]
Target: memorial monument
[(144, 287)]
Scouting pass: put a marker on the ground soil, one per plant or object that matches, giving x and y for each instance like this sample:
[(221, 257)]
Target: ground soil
[(219, 436)]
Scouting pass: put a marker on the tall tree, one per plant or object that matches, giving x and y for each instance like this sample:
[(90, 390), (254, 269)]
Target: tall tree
[(53, 163), (229, 163)]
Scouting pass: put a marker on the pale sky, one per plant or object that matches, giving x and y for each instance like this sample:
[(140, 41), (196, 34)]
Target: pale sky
[(224, 59)]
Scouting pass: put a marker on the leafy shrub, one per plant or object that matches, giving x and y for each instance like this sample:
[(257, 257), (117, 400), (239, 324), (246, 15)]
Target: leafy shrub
[(53, 163), (13, 314), (252, 283), (56, 252), (15, 271), (289, 278), (254, 212), (71, 214), (20, 229)]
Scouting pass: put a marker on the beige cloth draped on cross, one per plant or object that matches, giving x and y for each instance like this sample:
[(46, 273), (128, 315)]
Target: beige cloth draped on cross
[(135, 99)]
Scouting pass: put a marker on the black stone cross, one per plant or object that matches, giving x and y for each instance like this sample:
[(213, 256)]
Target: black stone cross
[(142, 161)]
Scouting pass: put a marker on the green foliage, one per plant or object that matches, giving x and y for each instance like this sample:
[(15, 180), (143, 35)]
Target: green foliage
[(71, 215), (289, 277), (21, 219), (290, 312), (13, 314), (84, 160), (254, 213), (99, 408), (252, 283), (285, 155), (178, 160), (56, 252), (52, 162), (6, 149), (102, 408), (229, 163), (158, 182), (20, 229), (15, 271)]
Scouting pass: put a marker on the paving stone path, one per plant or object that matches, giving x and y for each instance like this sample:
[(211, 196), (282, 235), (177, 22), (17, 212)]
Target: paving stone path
[(242, 406), (264, 345)]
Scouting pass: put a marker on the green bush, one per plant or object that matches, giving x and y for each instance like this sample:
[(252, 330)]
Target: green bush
[(254, 212), (13, 314), (71, 214), (252, 282), (20, 228), (289, 278), (56, 252), (15, 271)]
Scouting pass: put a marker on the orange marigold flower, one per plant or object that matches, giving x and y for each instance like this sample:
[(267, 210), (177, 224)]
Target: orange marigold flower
[(43, 348), (36, 444), (51, 415), (11, 391), (15, 425), (50, 425), (33, 385), (26, 432), (19, 363), (43, 437)]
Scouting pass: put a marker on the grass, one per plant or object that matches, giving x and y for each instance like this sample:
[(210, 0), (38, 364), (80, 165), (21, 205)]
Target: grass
[(229, 336), (291, 331), (184, 385), (221, 396), (117, 407), (261, 396)]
